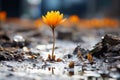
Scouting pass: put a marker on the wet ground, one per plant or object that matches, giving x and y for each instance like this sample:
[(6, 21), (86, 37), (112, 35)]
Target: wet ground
[(24, 53)]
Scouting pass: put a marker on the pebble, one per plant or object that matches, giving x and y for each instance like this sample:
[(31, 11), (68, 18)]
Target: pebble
[(18, 38)]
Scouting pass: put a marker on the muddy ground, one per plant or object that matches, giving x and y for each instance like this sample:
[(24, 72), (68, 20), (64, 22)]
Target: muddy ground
[(24, 54)]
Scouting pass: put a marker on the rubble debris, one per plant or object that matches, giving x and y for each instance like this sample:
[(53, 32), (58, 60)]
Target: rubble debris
[(82, 50), (71, 64), (108, 48), (79, 55), (90, 58), (16, 54), (10, 54)]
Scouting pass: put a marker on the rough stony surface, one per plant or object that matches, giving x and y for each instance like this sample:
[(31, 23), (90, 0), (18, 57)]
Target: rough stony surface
[(24, 54), (108, 48), (10, 54), (106, 56)]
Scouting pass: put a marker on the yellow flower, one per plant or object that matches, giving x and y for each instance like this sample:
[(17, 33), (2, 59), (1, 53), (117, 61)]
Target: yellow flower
[(53, 18)]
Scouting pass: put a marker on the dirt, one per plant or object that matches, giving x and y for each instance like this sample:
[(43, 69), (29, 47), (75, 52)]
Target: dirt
[(24, 54)]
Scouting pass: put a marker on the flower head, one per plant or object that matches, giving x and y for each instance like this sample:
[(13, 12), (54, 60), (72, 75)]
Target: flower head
[(53, 18)]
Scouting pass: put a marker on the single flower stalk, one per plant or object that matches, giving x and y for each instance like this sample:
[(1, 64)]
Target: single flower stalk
[(52, 19)]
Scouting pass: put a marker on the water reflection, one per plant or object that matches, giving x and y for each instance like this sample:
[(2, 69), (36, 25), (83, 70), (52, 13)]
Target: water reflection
[(51, 69), (71, 73)]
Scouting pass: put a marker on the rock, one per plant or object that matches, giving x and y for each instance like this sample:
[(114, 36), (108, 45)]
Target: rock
[(71, 64), (59, 60), (71, 73), (10, 54), (111, 40), (82, 51), (68, 56), (109, 48), (99, 50), (115, 48), (18, 38), (19, 41)]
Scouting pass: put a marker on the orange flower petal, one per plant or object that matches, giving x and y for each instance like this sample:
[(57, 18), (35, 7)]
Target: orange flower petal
[(52, 18)]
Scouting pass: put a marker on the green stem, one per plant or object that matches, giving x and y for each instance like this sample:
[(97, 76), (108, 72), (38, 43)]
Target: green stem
[(53, 31)]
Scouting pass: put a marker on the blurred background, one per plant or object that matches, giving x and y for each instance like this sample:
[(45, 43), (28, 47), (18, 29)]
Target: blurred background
[(79, 13), (83, 8)]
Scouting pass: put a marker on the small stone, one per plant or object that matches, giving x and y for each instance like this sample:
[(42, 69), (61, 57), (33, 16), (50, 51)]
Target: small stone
[(59, 60), (25, 49), (18, 38), (53, 58), (13, 69), (49, 57), (9, 75), (49, 68), (81, 50), (34, 65), (71, 64), (69, 55), (71, 73)]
